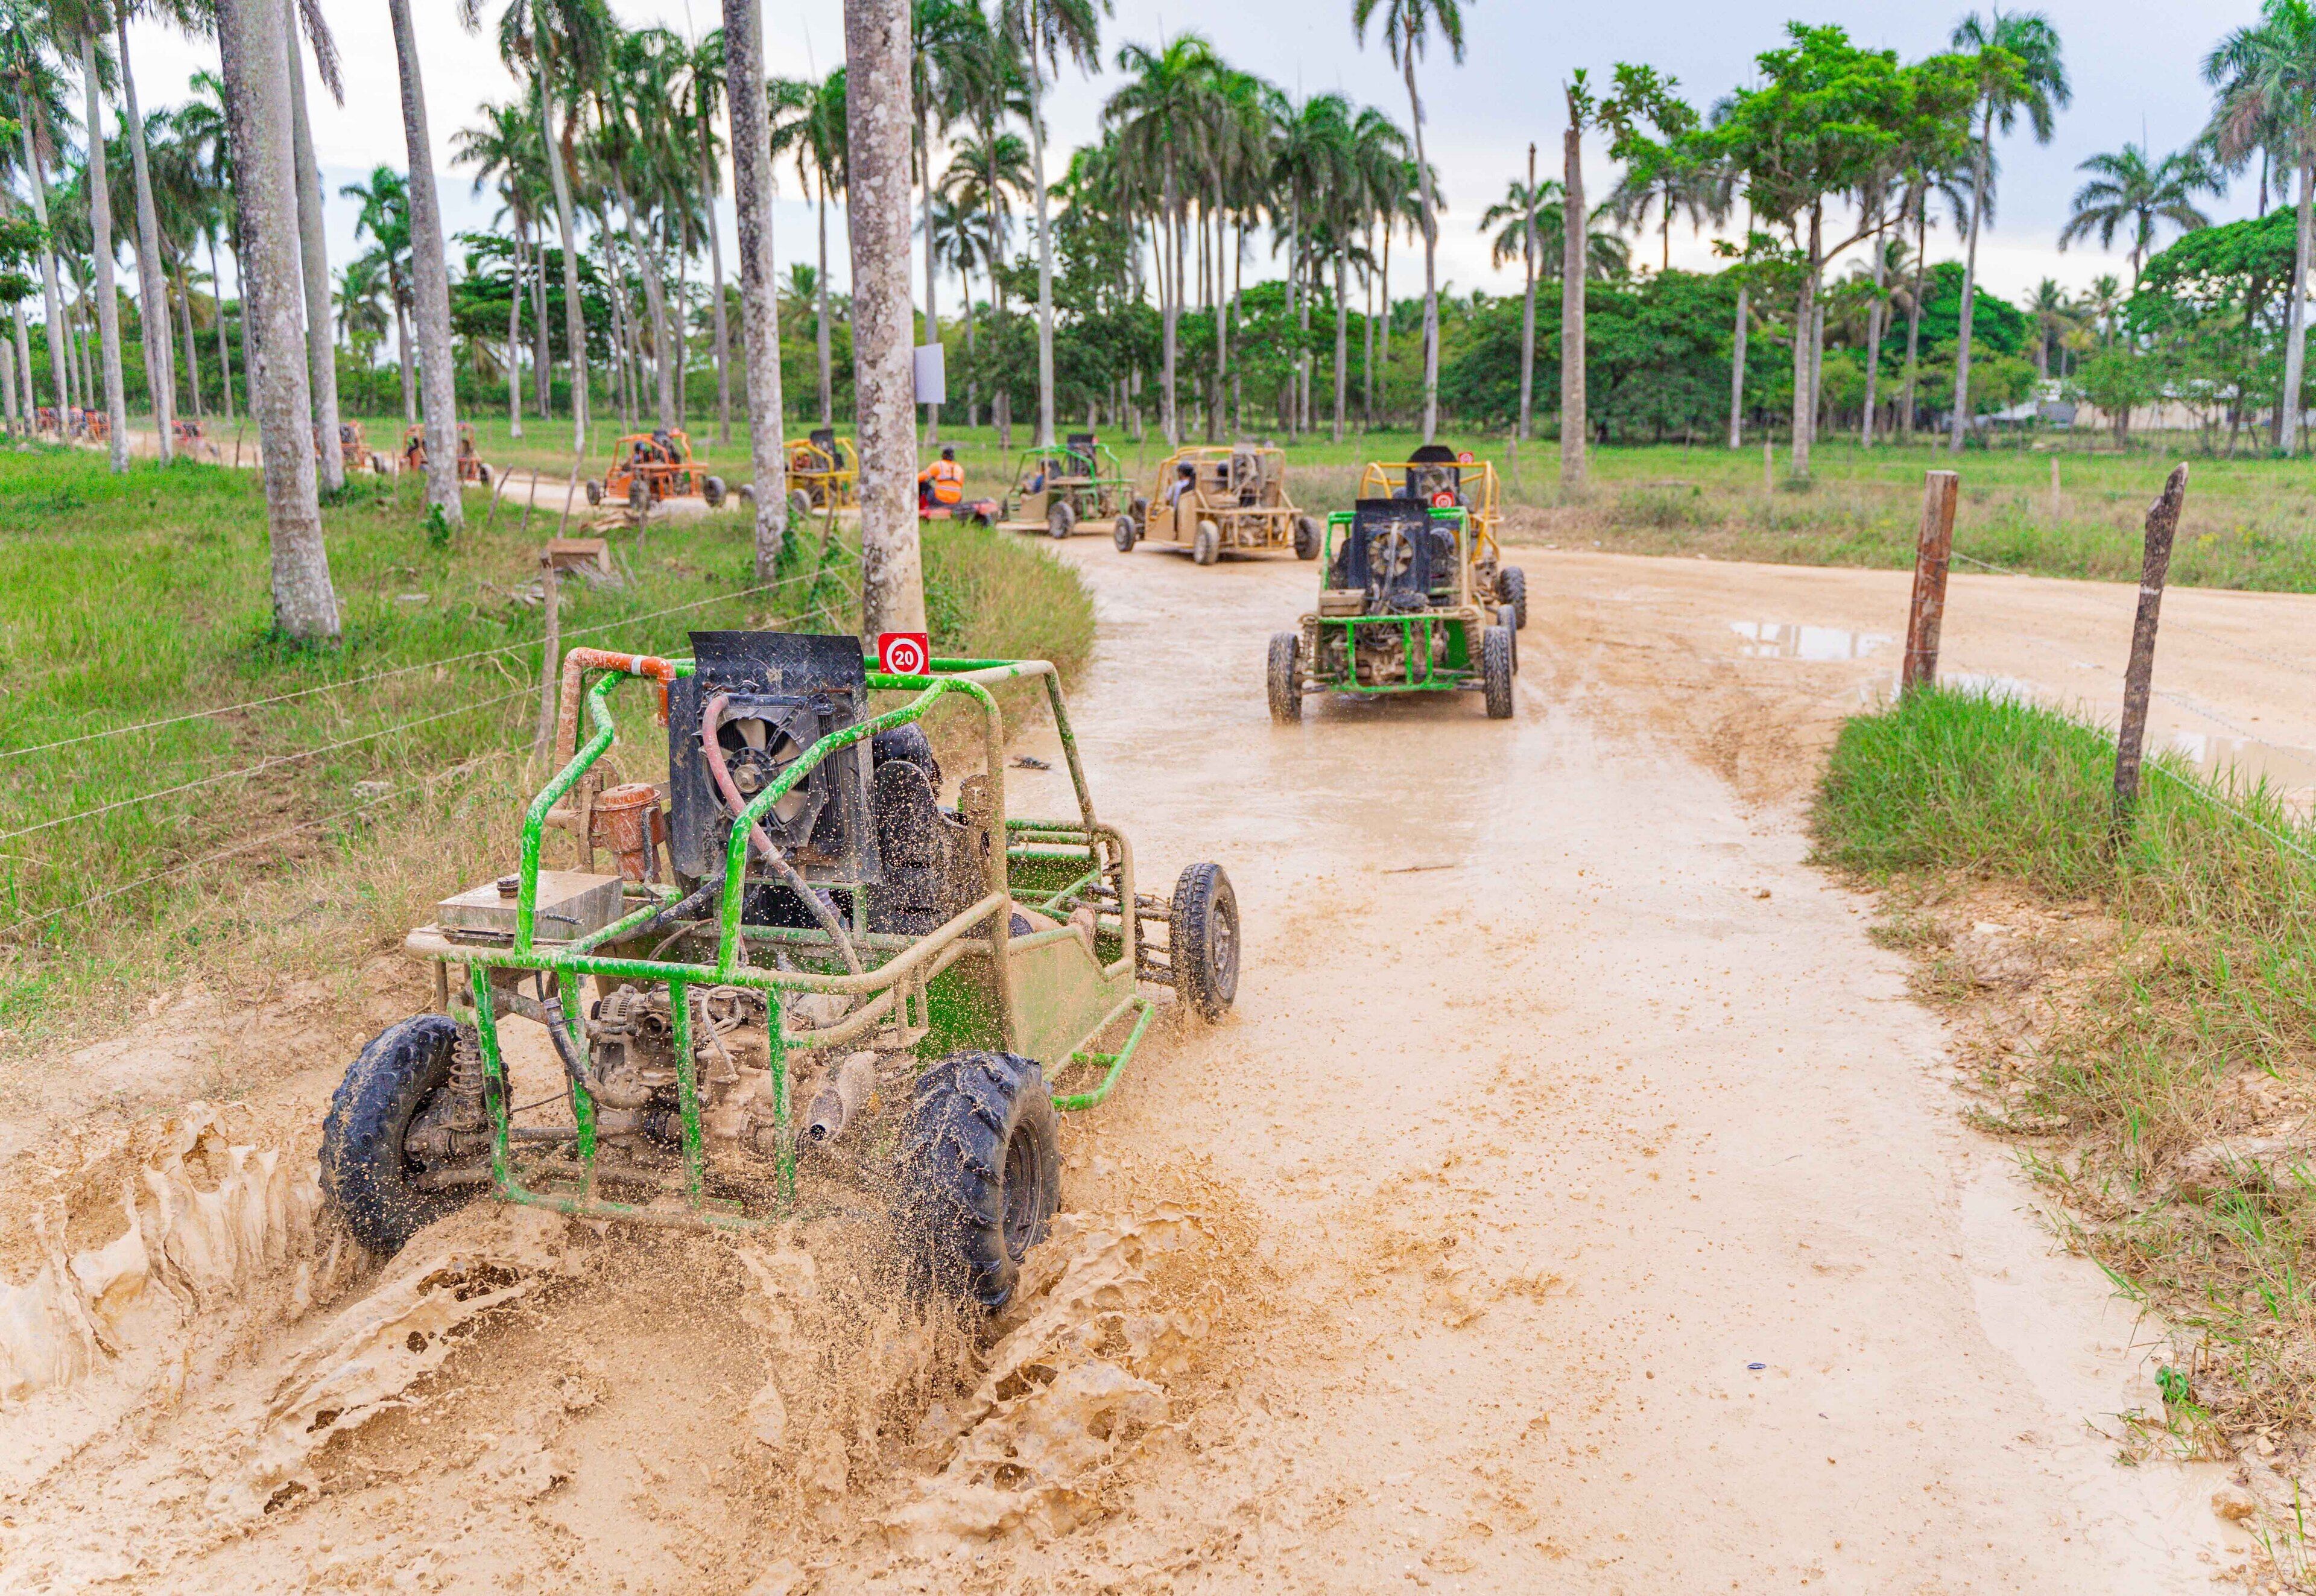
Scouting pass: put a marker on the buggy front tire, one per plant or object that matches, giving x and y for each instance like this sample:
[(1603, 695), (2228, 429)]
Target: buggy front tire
[(1121, 532), (1306, 537), (366, 1174), (1202, 940), (1061, 521), (1496, 671), (800, 505), (1285, 678), (1511, 587), (1206, 548), (483, 474), (712, 489), (981, 1175), (639, 493), (594, 491), (1507, 619)]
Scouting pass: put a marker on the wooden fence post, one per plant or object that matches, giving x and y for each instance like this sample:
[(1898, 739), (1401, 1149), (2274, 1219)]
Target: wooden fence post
[(551, 658), (1933, 549), (2055, 489), (2138, 676), (1768, 471)]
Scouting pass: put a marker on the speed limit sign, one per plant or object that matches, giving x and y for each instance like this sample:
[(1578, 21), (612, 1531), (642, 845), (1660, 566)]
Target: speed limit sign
[(904, 654), (1443, 500), (1463, 459)]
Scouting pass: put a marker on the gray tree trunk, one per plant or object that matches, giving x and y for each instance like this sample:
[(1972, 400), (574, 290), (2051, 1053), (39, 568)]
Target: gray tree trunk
[(1044, 257), (1528, 264), (1874, 329), (2295, 338), (663, 355), (1805, 416), (1961, 419), (430, 282), (100, 224), (152, 289), (402, 354), (24, 362), (51, 294), (8, 388), (877, 53), (760, 318), (192, 348), (1572, 255), (1164, 233), (574, 315), (314, 260), (1431, 258), (225, 350), (1342, 346), (1737, 372), (514, 342), (251, 52), (542, 342), (820, 321), (716, 267), (932, 297)]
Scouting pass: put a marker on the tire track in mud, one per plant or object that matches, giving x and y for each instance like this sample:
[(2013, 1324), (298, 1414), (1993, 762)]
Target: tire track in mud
[(1558, 1094)]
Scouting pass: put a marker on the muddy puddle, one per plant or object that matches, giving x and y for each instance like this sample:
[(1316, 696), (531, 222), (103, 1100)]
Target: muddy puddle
[(1785, 640)]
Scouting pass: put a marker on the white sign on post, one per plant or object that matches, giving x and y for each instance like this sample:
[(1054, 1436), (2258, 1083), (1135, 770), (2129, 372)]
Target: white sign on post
[(932, 374)]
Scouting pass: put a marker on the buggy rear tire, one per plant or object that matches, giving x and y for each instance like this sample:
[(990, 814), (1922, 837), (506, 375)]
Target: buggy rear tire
[(483, 474), (1306, 537), (1284, 679), (1202, 939), (1509, 620), (1511, 587), (800, 505), (1496, 671), (594, 491), (1061, 520), (1206, 547), (366, 1174), (712, 489), (1122, 534), (981, 1175), (640, 494)]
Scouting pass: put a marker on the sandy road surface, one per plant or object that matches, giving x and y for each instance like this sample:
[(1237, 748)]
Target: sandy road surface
[(1560, 1095)]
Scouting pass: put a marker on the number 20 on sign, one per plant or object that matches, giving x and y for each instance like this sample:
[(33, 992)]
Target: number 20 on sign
[(904, 654)]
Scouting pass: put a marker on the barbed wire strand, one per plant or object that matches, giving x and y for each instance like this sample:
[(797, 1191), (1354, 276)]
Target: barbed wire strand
[(423, 665)]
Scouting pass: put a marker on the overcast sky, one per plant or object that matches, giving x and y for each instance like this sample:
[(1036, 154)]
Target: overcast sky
[(2133, 63)]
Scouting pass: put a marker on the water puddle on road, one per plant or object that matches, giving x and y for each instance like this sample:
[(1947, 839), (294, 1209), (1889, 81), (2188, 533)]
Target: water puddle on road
[(1781, 639), (2288, 771)]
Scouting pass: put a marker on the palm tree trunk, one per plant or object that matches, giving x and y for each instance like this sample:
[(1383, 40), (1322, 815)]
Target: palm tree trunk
[(24, 362), (2295, 337), (1222, 322), (100, 224), (225, 350), (1914, 318), (760, 320), (1383, 335), (1431, 253), (1960, 420), (1343, 345), (52, 295), (1044, 256), (1528, 302), (1737, 370), (820, 319), (252, 54), (152, 291), (1873, 332), (663, 346), (192, 349), (1367, 351), (574, 315), (932, 297), (1166, 420), (314, 260), (1295, 305), (1573, 257), (877, 53), (1310, 263), (515, 340), (716, 279), (402, 355)]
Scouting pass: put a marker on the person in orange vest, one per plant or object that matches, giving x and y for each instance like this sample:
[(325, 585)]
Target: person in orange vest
[(942, 483)]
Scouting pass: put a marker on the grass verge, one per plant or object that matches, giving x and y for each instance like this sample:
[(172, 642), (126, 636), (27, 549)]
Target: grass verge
[(2141, 1015), (299, 832)]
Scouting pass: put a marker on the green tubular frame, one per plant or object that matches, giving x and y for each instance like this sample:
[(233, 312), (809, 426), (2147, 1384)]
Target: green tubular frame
[(887, 987), (1448, 675)]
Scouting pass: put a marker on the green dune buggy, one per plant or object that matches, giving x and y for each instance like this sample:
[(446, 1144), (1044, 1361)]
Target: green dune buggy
[(808, 980)]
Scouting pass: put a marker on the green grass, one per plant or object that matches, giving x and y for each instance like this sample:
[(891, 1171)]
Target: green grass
[(2200, 1009), (143, 597), (2250, 522)]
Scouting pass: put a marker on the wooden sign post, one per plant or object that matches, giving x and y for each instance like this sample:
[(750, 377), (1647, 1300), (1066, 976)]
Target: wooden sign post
[(2138, 675), (1933, 549)]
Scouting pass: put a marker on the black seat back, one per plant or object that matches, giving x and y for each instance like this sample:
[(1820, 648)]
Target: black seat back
[(824, 439), (1432, 469), (1403, 559), (1080, 447)]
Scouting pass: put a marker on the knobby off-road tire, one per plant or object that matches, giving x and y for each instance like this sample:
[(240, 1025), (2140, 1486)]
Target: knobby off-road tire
[(981, 1174), (1202, 939), (1285, 678), (1306, 537), (1061, 521), (595, 492), (1496, 671), (1511, 587), (1122, 533), (712, 490), (483, 474), (1507, 620), (799, 506), (638, 494), (364, 1171), (1206, 547)]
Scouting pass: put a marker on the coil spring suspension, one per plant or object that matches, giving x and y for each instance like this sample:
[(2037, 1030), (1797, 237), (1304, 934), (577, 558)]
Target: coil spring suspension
[(467, 1082)]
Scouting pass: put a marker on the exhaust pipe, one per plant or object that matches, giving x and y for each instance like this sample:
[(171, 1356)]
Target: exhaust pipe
[(852, 1084)]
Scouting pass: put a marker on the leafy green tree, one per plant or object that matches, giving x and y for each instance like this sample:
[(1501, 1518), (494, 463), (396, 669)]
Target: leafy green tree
[(2128, 193)]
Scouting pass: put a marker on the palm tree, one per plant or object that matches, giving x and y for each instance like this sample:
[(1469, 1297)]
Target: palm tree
[(878, 120), (384, 219), (941, 30), (2266, 79), (1156, 119), (1042, 32), (254, 57), (808, 125), (42, 113), (1517, 213), (704, 74), (152, 297), (2017, 58), (363, 304), (1311, 165), (1407, 25), (2102, 302), (1672, 189), (505, 147), (313, 248), (2128, 192), (746, 109), (2054, 317), (429, 283), (77, 25)]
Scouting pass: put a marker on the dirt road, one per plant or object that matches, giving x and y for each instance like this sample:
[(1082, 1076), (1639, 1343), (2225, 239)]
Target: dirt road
[(1574, 1201)]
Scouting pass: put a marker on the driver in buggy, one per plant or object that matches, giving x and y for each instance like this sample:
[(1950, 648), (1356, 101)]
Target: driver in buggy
[(941, 484)]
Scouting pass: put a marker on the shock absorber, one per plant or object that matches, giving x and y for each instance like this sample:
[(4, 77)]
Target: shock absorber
[(467, 1082)]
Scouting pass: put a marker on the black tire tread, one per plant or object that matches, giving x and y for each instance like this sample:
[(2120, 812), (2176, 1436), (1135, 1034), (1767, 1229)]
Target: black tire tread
[(961, 1116), (1496, 671), (363, 1171), (1283, 678), (1199, 894)]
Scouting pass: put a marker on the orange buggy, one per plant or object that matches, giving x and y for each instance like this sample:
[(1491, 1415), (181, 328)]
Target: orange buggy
[(353, 449), (471, 468), (649, 468)]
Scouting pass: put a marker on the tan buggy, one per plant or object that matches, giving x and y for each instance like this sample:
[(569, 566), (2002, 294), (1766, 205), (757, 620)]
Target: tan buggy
[(1446, 479), (1208, 502)]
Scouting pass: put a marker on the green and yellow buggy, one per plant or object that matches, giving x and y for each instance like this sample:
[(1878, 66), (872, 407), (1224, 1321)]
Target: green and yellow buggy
[(806, 983), (1057, 492)]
